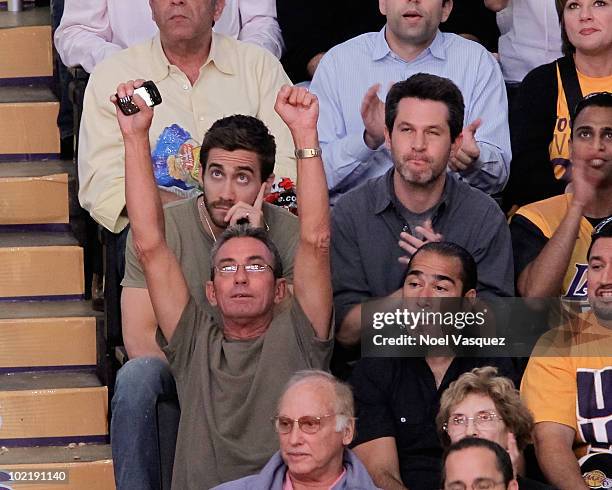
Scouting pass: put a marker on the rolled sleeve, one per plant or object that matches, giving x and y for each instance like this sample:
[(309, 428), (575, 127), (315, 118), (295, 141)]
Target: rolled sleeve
[(343, 154), (259, 25)]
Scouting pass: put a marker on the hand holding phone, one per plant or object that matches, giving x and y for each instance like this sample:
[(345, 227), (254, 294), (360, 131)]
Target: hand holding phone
[(149, 93)]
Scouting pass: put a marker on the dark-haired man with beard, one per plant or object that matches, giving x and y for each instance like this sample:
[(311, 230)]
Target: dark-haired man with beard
[(378, 226)]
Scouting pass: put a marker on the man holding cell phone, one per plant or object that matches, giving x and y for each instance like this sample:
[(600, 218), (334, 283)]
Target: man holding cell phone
[(224, 366), (201, 77)]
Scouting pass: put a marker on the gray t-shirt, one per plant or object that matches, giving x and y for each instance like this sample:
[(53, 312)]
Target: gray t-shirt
[(192, 244), (228, 391)]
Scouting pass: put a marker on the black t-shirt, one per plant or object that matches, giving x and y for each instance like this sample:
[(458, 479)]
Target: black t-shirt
[(528, 241), (529, 484), (398, 398)]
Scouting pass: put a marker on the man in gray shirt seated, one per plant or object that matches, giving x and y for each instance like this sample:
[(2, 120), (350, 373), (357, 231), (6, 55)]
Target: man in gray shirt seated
[(230, 372), (238, 156), (379, 225)]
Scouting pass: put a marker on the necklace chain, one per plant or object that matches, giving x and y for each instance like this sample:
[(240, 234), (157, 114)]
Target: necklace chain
[(203, 213)]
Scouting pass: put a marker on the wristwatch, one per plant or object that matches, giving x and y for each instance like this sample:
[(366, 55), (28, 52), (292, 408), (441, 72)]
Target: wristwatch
[(302, 153)]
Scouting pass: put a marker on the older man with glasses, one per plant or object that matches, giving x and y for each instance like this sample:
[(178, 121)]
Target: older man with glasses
[(315, 424)]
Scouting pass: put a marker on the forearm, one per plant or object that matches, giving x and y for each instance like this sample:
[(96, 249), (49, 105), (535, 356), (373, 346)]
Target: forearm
[(312, 279), (83, 36), (138, 324), (312, 191), (544, 276), (384, 479), (560, 466), (141, 195), (349, 333)]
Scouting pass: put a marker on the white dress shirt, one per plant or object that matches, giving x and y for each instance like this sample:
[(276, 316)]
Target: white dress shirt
[(530, 37), (92, 30)]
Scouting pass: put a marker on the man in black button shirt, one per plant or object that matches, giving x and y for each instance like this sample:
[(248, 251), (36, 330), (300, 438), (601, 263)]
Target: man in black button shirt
[(398, 399), (551, 237), (416, 202)]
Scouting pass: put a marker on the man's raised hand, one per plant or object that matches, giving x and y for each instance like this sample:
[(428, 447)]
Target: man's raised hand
[(373, 115), (298, 108), (469, 151), (138, 124)]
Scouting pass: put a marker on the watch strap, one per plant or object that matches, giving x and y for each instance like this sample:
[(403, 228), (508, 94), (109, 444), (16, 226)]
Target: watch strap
[(302, 153)]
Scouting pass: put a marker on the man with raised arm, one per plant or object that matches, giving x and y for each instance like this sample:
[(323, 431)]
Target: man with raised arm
[(237, 160), (224, 368)]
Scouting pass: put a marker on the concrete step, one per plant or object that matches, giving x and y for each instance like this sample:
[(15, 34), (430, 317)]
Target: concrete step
[(26, 44), (52, 408), (28, 122), (46, 334), (87, 466), (40, 264)]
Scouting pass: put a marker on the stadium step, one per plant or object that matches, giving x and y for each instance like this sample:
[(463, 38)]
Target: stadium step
[(25, 38), (40, 265), (52, 408), (36, 192), (85, 466), (35, 335), (28, 116)]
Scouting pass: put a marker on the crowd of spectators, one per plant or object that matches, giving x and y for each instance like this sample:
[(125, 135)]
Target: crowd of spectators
[(430, 150)]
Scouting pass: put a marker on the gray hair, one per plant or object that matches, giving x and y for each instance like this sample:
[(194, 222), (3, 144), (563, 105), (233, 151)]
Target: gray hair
[(344, 405), (246, 231)]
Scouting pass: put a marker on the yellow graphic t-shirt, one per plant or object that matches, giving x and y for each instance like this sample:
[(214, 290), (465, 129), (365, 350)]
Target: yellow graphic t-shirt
[(559, 149)]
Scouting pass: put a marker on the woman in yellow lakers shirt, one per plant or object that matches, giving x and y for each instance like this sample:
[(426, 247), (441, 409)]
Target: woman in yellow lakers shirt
[(540, 119)]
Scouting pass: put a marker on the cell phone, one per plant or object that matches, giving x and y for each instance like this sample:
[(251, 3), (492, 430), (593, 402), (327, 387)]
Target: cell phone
[(149, 93)]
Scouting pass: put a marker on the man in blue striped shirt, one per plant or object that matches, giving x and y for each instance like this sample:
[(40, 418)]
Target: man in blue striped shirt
[(353, 76)]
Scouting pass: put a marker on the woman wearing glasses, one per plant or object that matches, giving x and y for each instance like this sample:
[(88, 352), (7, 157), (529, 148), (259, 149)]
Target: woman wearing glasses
[(540, 122), (482, 404)]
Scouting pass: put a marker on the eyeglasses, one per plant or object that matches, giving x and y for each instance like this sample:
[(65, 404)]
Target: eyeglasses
[(483, 420), (248, 268), (478, 484), (307, 424)]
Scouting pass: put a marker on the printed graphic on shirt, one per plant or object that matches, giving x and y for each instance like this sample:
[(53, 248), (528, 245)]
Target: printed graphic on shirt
[(177, 168), (176, 161), (559, 150), (594, 407), (283, 194), (577, 288)]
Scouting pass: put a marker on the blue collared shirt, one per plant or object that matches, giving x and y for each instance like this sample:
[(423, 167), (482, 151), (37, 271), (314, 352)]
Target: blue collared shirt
[(349, 69)]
